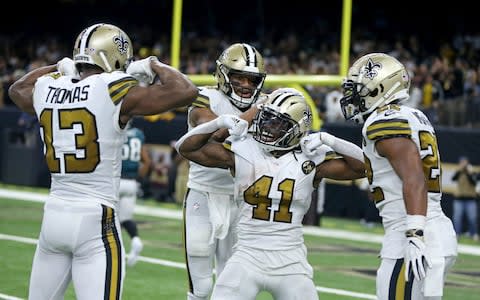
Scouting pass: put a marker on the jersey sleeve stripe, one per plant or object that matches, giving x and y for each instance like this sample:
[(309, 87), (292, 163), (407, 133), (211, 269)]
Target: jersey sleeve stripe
[(390, 133), (331, 155), (392, 127), (201, 101), (120, 88), (228, 145)]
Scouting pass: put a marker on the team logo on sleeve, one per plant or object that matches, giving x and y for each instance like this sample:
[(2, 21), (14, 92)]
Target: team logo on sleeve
[(307, 167)]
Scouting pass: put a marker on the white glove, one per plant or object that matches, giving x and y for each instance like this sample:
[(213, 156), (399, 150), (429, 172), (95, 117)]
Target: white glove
[(66, 66), (415, 258), (237, 127), (313, 141), (141, 70)]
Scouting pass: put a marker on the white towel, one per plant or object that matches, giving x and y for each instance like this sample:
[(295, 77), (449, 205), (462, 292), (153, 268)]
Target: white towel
[(219, 209), (433, 282)]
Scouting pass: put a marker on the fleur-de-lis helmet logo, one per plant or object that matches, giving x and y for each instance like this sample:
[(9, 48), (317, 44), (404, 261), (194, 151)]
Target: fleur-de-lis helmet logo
[(122, 43), (371, 69), (307, 115)]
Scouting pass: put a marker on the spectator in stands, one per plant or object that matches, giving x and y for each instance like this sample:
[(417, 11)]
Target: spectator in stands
[(465, 202), (332, 104)]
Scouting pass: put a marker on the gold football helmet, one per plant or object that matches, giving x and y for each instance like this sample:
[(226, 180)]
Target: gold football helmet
[(374, 80), (243, 60), (105, 46), (282, 121)]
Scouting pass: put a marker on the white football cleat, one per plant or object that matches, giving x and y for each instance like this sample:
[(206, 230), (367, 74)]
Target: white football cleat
[(136, 247)]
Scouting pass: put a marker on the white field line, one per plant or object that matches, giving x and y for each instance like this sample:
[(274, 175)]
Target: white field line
[(177, 215), (8, 297), (178, 265)]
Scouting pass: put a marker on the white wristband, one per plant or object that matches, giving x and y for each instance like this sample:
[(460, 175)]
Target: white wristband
[(416, 222)]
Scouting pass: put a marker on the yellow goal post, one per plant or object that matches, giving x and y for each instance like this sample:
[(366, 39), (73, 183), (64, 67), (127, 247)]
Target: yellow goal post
[(274, 80)]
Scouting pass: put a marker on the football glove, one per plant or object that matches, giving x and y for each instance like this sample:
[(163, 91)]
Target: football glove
[(66, 67), (142, 70), (415, 257), (313, 141), (237, 127)]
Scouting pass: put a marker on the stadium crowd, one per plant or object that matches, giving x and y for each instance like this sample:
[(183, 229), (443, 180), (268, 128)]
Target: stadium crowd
[(445, 85)]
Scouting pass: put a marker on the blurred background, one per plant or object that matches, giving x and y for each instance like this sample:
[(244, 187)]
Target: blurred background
[(439, 44)]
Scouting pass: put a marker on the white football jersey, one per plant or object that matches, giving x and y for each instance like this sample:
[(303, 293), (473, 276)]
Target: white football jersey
[(386, 186), (82, 137), (212, 179), (273, 194)]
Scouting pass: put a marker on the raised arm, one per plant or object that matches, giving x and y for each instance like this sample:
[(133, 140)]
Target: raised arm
[(21, 91), (196, 146), (350, 166), (172, 90), (248, 116)]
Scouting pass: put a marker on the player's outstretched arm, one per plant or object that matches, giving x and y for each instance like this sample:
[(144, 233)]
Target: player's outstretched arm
[(21, 91), (173, 89), (195, 145)]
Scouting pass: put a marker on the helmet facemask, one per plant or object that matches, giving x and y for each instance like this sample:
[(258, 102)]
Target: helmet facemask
[(353, 102), (240, 62), (281, 123)]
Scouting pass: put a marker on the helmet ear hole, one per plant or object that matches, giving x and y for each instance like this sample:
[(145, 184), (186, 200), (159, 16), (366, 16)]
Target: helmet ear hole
[(374, 93)]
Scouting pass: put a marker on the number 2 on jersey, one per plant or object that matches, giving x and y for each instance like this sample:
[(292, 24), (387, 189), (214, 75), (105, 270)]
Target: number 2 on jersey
[(430, 163), (257, 196)]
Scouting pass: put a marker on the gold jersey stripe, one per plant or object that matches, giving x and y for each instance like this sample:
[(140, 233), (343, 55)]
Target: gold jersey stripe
[(390, 133), (55, 75), (331, 155), (378, 195), (399, 289), (392, 127), (228, 145), (388, 123), (202, 101), (118, 89), (111, 241)]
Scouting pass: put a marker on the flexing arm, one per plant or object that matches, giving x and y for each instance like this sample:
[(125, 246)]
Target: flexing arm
[(173, 90), (248, 116), (21, 91), (346, 168), (195, 145), (405, 159)]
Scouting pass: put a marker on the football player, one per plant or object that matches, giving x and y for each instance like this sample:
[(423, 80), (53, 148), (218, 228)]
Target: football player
[(209, 207), (403, 169), (136, 163), (83, 106), (273, 184)]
